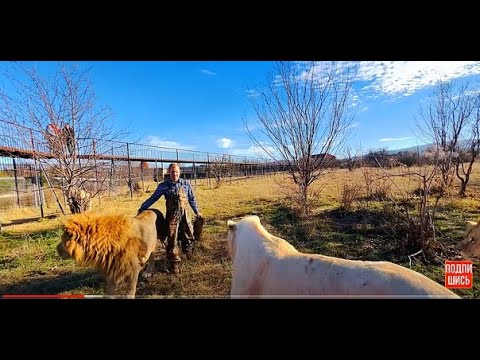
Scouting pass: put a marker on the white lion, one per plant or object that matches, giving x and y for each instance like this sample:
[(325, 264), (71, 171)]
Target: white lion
[(266, 265)]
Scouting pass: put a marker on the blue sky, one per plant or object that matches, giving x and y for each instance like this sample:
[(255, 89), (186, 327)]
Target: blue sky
[(201, 105)]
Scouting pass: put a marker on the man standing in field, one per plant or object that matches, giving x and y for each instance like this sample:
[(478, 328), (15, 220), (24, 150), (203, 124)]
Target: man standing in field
[(177, 193)]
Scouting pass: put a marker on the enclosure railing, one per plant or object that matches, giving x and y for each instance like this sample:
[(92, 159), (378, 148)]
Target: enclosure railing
[(23, 151)]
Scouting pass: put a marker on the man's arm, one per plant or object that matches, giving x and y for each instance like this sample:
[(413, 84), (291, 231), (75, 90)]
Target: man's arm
[(159, 191), (191, 199)]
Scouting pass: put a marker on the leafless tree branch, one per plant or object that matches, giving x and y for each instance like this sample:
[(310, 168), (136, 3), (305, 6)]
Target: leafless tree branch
[(301, 112), (62, 109)]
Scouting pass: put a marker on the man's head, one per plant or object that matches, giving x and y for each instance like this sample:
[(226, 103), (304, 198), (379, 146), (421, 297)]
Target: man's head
[(174, 171)]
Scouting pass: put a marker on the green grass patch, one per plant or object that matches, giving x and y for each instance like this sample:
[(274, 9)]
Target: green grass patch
[(29, 263)]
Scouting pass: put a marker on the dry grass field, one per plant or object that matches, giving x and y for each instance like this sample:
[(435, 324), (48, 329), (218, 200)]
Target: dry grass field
[(365, 229)]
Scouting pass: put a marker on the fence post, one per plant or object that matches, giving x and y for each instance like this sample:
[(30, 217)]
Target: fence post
[(112, 166), (37, 179), (208, 170), (65, 202), (141, 175), (16, 181), (129, 174), (34, 190), (230, 167), (52, 188), (194, 170), (94, 146)]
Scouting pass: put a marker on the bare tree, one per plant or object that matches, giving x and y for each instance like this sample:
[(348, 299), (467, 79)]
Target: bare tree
[(470, 150), (378, 158), (442, 123), (304, 110), (409, 214), (351, 160), (221, 167), (63, 113)]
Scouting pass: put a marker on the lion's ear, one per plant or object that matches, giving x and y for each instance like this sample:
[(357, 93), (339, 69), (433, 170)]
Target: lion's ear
[(471, 225), (231, 225), (67, 234)]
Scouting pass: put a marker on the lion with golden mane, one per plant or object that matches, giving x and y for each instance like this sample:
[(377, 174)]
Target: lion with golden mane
[(117, 245)]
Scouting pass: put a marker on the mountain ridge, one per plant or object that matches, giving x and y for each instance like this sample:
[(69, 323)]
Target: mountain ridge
[(419, 148)]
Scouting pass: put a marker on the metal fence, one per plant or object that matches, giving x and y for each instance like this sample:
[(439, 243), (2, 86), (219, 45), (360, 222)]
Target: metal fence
[(24, 181)]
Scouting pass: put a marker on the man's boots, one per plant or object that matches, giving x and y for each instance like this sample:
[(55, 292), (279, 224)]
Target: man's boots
[(174, 267), (173, 263), (187, 248)]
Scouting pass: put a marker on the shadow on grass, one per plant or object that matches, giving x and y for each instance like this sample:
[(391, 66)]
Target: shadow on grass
[(49, 233), (41, 284), (27, 220), (204, 274)]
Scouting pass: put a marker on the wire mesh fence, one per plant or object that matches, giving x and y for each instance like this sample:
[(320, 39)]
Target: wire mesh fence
[(30, 162)]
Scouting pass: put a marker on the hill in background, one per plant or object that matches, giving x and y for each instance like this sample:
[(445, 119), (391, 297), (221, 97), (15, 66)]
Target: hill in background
[(420, 148)]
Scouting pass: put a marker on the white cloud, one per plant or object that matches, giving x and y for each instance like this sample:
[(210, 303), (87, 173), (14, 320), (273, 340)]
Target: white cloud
[(356, 102), (353, 125), (251, 126), (403, 78), (252, 93), (393, 78), (208, 72), (156, 141), (321, 70), (224, 143), (253, 150), (472, 92), (395, 139)]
